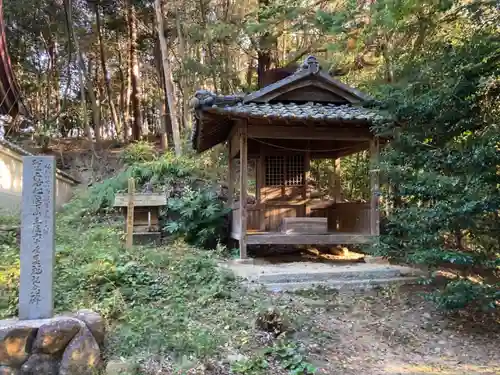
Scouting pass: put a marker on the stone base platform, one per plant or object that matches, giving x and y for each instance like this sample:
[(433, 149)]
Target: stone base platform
[(64, 345), (305, 275)]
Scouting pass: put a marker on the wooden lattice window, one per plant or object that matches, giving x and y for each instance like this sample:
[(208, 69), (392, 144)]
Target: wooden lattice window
[(294, 169), (275, 170), (284, 170)]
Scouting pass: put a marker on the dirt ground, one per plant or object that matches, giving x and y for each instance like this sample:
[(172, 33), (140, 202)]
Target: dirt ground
[(395, 331)]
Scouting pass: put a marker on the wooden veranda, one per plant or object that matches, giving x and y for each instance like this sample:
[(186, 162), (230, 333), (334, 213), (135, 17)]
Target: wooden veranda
[(281, 129)]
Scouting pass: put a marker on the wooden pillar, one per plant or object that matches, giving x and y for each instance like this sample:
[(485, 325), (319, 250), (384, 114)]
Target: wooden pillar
[(231, 177), (262, 182), (243, 190), (375, 188), (306, 193), (337, 183)]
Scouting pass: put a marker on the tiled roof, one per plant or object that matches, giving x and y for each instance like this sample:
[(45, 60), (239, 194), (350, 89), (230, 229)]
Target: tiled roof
[(310, 111), (291, 99)]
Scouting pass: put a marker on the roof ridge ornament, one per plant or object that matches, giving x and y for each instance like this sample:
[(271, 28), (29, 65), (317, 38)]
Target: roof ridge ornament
[(206, 98), (310, 64)]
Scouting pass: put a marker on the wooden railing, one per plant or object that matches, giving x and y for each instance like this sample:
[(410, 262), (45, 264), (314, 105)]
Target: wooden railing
[(342, 217), (345, 217)]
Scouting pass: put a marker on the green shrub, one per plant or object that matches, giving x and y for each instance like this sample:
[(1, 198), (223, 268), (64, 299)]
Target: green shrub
[(166, 173), (199, 216), (292, 358), (463, 293), (443, 164), (139, 152), (253, 366)]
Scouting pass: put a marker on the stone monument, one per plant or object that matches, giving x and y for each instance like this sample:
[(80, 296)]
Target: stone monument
[(37, 342), (37, 237)]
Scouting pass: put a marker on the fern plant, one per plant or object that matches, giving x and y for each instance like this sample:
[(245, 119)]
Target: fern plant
[(139, 152), (196, 215)]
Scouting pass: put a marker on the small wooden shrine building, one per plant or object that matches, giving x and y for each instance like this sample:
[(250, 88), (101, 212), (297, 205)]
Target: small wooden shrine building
[(281, 128)]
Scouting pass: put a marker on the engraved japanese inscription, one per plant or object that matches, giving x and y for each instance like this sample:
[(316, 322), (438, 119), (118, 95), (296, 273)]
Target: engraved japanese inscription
[(37, 237)]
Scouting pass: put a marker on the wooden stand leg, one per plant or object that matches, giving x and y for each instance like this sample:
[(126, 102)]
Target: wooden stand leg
[(130, 214)]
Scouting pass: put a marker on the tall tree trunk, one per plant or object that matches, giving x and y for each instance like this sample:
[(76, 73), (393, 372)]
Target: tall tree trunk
[(388, 65), (183, 80), (94, 102), (86, 77), (57, 84), (267, 47), (168, 78), (249, 74), (203, 19), (85, 116), (165, 129), (123, 92), (81, 67), (105, 73), (134, 77), (51, 72)]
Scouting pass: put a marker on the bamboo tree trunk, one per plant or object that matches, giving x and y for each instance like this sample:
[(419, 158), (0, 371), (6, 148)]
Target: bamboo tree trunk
[(135, 97), (105, 73), (168, 78)]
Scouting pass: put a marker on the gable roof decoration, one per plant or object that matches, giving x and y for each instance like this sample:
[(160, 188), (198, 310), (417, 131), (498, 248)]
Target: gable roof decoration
[(309, 94), (308, 75)]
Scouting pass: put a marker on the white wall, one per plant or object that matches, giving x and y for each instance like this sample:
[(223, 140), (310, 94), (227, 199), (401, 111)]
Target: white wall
[(11, 176)]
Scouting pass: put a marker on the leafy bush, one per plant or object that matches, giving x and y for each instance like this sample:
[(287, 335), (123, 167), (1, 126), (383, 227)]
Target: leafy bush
[(463, 293), (194, 210), (9, 274), (443, 164), (292, 358), (167, 173), (139, 152), (252, 366), (199, 216)]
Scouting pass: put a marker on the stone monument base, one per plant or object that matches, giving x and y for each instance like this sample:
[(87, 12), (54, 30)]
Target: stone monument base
[(64, 345)]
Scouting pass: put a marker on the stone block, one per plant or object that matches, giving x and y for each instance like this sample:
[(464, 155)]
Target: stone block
[(94, 322), (53, 336), (82, 356), (309, 225), (376, 260), (63, 345), (16, 340), (121, 367), (39, 364)]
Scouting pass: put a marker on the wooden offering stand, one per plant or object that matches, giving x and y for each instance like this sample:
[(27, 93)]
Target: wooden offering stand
[(142, 211)]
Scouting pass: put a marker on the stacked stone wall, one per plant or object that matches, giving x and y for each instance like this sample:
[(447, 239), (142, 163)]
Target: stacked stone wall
[(64, 345)]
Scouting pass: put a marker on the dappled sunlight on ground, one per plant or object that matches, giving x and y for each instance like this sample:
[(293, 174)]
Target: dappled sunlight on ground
[(395, 331), (441, 369)]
